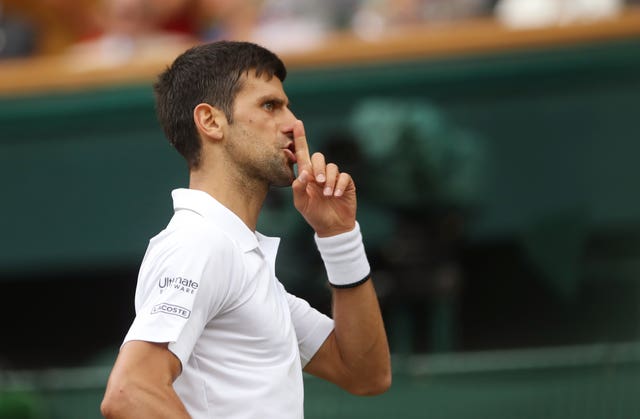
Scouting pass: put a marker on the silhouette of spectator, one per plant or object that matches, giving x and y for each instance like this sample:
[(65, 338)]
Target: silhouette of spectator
[(17, 35)]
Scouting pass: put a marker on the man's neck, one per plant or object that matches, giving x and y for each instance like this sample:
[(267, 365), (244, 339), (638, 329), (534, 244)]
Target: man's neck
[(244, 200)]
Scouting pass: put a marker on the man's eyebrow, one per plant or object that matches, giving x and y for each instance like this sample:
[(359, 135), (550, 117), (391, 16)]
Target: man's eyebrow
[(276, 99)]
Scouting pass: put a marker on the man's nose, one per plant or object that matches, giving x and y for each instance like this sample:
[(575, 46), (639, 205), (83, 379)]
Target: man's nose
[(288, 122), (291, 118)]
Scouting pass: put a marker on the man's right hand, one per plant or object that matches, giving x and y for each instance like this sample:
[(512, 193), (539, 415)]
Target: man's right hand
[(324, 196)]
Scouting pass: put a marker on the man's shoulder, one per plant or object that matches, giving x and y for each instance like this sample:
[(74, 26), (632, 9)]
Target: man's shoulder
[(192, 232), (191, 250)]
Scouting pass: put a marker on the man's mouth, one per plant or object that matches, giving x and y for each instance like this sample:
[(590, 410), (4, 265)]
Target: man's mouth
[(290, 151)]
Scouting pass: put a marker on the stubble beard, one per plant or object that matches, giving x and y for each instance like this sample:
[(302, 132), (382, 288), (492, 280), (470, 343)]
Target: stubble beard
[(271, 169), (281, 173), (270, 166)]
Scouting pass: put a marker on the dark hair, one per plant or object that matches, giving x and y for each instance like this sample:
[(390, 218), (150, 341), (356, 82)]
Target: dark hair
[(208, 73)]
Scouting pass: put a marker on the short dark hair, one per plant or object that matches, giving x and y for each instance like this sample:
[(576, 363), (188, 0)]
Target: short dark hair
[(208, 73)]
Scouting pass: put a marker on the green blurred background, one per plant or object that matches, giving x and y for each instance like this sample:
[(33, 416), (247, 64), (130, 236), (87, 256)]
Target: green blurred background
[(496, 196)]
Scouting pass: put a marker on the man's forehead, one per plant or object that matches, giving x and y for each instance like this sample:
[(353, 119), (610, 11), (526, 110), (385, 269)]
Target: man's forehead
[(261, 85)]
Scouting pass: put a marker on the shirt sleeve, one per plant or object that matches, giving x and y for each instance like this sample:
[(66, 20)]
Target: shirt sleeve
[(311, 326), (180, 288)]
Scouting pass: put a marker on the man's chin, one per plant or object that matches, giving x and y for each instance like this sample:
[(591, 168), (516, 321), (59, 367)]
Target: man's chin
[(284, 181)]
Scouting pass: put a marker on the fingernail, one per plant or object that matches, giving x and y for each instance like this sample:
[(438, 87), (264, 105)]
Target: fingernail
[(338, 192), (327, 191), (320, 178), (303, 177)]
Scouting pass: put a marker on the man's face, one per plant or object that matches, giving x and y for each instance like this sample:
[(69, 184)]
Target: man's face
[(260, 140)]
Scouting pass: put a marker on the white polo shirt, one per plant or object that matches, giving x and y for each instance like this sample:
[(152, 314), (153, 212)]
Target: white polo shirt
[(207, 286)]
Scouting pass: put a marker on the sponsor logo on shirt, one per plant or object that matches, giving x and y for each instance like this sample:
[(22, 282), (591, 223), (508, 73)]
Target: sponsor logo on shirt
[(171, 309), (178, 283)]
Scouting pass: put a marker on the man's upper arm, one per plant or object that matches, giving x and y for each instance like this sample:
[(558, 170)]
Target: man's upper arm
[(141, 382), (312, 327), (185, 282), (149, 360)]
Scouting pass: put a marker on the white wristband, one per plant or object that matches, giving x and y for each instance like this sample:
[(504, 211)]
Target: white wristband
[(344, 258)]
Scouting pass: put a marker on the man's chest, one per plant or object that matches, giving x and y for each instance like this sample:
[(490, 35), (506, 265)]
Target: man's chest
[(258, 319)]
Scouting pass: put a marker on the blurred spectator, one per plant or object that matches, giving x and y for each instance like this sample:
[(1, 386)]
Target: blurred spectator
[(373, 17), (141, 27), (229, 19), (55, 24), (292, 25), (281, 25), (17, 35), (144, 17), (522, 14), (111, 32), (135, 28)]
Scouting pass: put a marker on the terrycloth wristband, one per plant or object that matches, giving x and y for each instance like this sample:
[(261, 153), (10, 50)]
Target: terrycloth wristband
[(344, 258)]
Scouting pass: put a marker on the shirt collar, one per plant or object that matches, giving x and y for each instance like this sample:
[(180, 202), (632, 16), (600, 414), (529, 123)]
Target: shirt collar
[(269, 247), (210, 209)]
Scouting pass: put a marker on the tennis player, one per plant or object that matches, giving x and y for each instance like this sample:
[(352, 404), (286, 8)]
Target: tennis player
[(216, 335)]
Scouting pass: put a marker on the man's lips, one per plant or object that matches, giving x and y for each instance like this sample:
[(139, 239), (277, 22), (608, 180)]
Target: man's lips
[(290, 152)]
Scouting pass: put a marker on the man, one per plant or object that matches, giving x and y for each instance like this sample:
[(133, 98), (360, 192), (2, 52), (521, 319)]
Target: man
[(215, 334)]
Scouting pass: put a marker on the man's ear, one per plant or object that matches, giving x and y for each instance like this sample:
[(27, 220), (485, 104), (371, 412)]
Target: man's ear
[(210, 121)]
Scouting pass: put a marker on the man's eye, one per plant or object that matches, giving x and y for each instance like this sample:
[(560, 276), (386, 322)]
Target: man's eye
[(268, 106)]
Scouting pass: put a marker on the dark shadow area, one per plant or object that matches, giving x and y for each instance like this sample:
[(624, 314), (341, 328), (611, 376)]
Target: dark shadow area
[(66, 318), (478, 295)]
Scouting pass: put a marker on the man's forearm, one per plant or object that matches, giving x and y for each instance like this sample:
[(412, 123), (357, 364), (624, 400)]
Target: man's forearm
[(361, 338)]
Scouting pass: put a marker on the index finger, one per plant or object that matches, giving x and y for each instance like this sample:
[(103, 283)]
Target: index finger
[(302, 148)]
